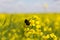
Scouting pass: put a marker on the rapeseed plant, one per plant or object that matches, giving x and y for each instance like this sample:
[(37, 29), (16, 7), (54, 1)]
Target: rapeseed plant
[(40, 28)]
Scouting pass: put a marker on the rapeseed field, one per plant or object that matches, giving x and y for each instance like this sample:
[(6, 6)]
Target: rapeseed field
[(42, 27)]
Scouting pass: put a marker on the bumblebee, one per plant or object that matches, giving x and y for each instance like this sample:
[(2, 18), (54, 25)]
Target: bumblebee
[(27, 22)]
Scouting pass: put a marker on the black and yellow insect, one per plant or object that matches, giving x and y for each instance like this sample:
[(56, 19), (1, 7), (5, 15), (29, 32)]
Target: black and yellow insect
[(27, 22)]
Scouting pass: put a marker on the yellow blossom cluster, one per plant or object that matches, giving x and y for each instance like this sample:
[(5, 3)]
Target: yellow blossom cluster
[(42, 27), (39, 29)]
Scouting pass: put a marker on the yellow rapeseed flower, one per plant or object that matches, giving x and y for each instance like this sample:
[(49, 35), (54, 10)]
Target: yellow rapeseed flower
[(43, 24), (29, 32), (52, 35), (37, 22), (38, 26), (50, 29), (27, 28), (47, 20), (32, 22), (41, 33), (2, 16), (56, 23), (56, 27), (35, 16), (33, 31), (12, 38), (13, 30), (32, 25), (38, 31), (45, 28), (55, 38), (2, 19), (28, 39), (44, 37), (47, 36), (58, 18)]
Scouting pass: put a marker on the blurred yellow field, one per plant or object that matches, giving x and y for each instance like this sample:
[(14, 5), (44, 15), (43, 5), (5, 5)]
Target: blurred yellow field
[(42, 27)]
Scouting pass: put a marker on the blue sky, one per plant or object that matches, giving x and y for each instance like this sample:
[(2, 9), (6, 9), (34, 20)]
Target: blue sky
[(29, 5)]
